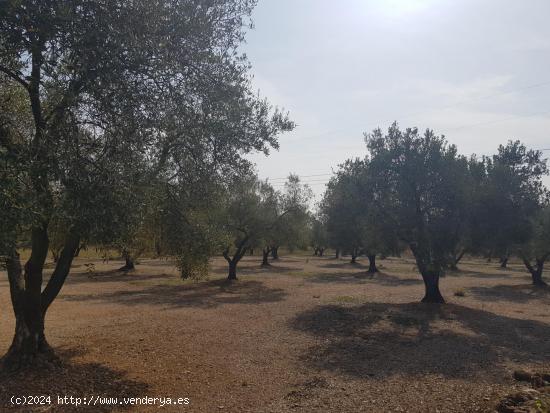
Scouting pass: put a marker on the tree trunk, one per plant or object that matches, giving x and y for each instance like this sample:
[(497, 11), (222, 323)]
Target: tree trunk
[(232, 270), (504, 260), (536, 271), (315, 251), (158, 248), (537, 278), (30, 304), (239, 254), (321, 252), (372, 264), (431, 284), (354, 256), (456, 260), (28, 341), (275, 253), (337, 253), (129, 264), (265, 257)]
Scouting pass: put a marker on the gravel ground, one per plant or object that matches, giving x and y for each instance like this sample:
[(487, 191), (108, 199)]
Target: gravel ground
[(308, 334)]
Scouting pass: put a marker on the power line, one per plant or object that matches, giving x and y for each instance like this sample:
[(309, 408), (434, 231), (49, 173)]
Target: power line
[(325, 181), (299, 176)]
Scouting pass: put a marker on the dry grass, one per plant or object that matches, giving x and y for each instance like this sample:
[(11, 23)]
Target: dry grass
[(305, 335)]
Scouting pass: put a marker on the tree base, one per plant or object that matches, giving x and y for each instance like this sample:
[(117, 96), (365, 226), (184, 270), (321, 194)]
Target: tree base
[(433, 299), (17, 359), (126, 268)]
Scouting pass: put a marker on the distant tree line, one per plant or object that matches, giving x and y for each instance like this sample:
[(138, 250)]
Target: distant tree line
[(414, 191)]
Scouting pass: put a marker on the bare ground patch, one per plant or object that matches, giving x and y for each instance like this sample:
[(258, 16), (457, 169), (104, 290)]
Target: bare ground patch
[(307, 334)]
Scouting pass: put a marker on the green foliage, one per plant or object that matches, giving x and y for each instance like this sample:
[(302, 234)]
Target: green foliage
[(319, 236), (178, 105), (256, 215), (510, 191), (418, 183), (15, 127), (538, 245), (354, 220), (188, 223), (291, 223)]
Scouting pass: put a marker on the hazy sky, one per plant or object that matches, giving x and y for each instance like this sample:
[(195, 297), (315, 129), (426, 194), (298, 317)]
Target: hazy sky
[(477, 71)]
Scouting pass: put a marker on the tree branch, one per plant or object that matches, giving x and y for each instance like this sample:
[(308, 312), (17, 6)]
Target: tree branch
[(14, 76)]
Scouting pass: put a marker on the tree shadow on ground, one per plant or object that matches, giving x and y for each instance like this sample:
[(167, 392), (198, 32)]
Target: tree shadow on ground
[(256, 269), (392, 280), (207, 294), (516, 293), (155, 262), (381, 340), (345, 264), (464, 272), (340, 277), (363, 277), (277, 267), (112, 276), (288, 258), (65, 377)]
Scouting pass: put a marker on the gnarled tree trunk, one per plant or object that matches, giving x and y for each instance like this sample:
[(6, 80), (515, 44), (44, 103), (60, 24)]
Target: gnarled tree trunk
[(129, 264), (372, 264), (536, 270), (265, 257), (430, 272), (30, 304), (233, 261), (431, 284), (232, 274)]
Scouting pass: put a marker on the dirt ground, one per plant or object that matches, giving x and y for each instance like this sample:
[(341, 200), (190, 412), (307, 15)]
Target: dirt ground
[(306, 335)]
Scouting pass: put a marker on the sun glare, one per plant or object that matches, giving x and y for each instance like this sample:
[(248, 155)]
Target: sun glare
[(402, 7)]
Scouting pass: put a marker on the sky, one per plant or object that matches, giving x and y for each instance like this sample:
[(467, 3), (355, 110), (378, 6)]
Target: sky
[(476, 71)]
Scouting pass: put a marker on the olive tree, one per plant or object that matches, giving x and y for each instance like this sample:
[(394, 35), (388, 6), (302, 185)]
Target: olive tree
[(354, 222), (249, 213), (255, 214), (417, 181), (290, 229), (535, 252), (510, 193), (318, 235), (115, 93)]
